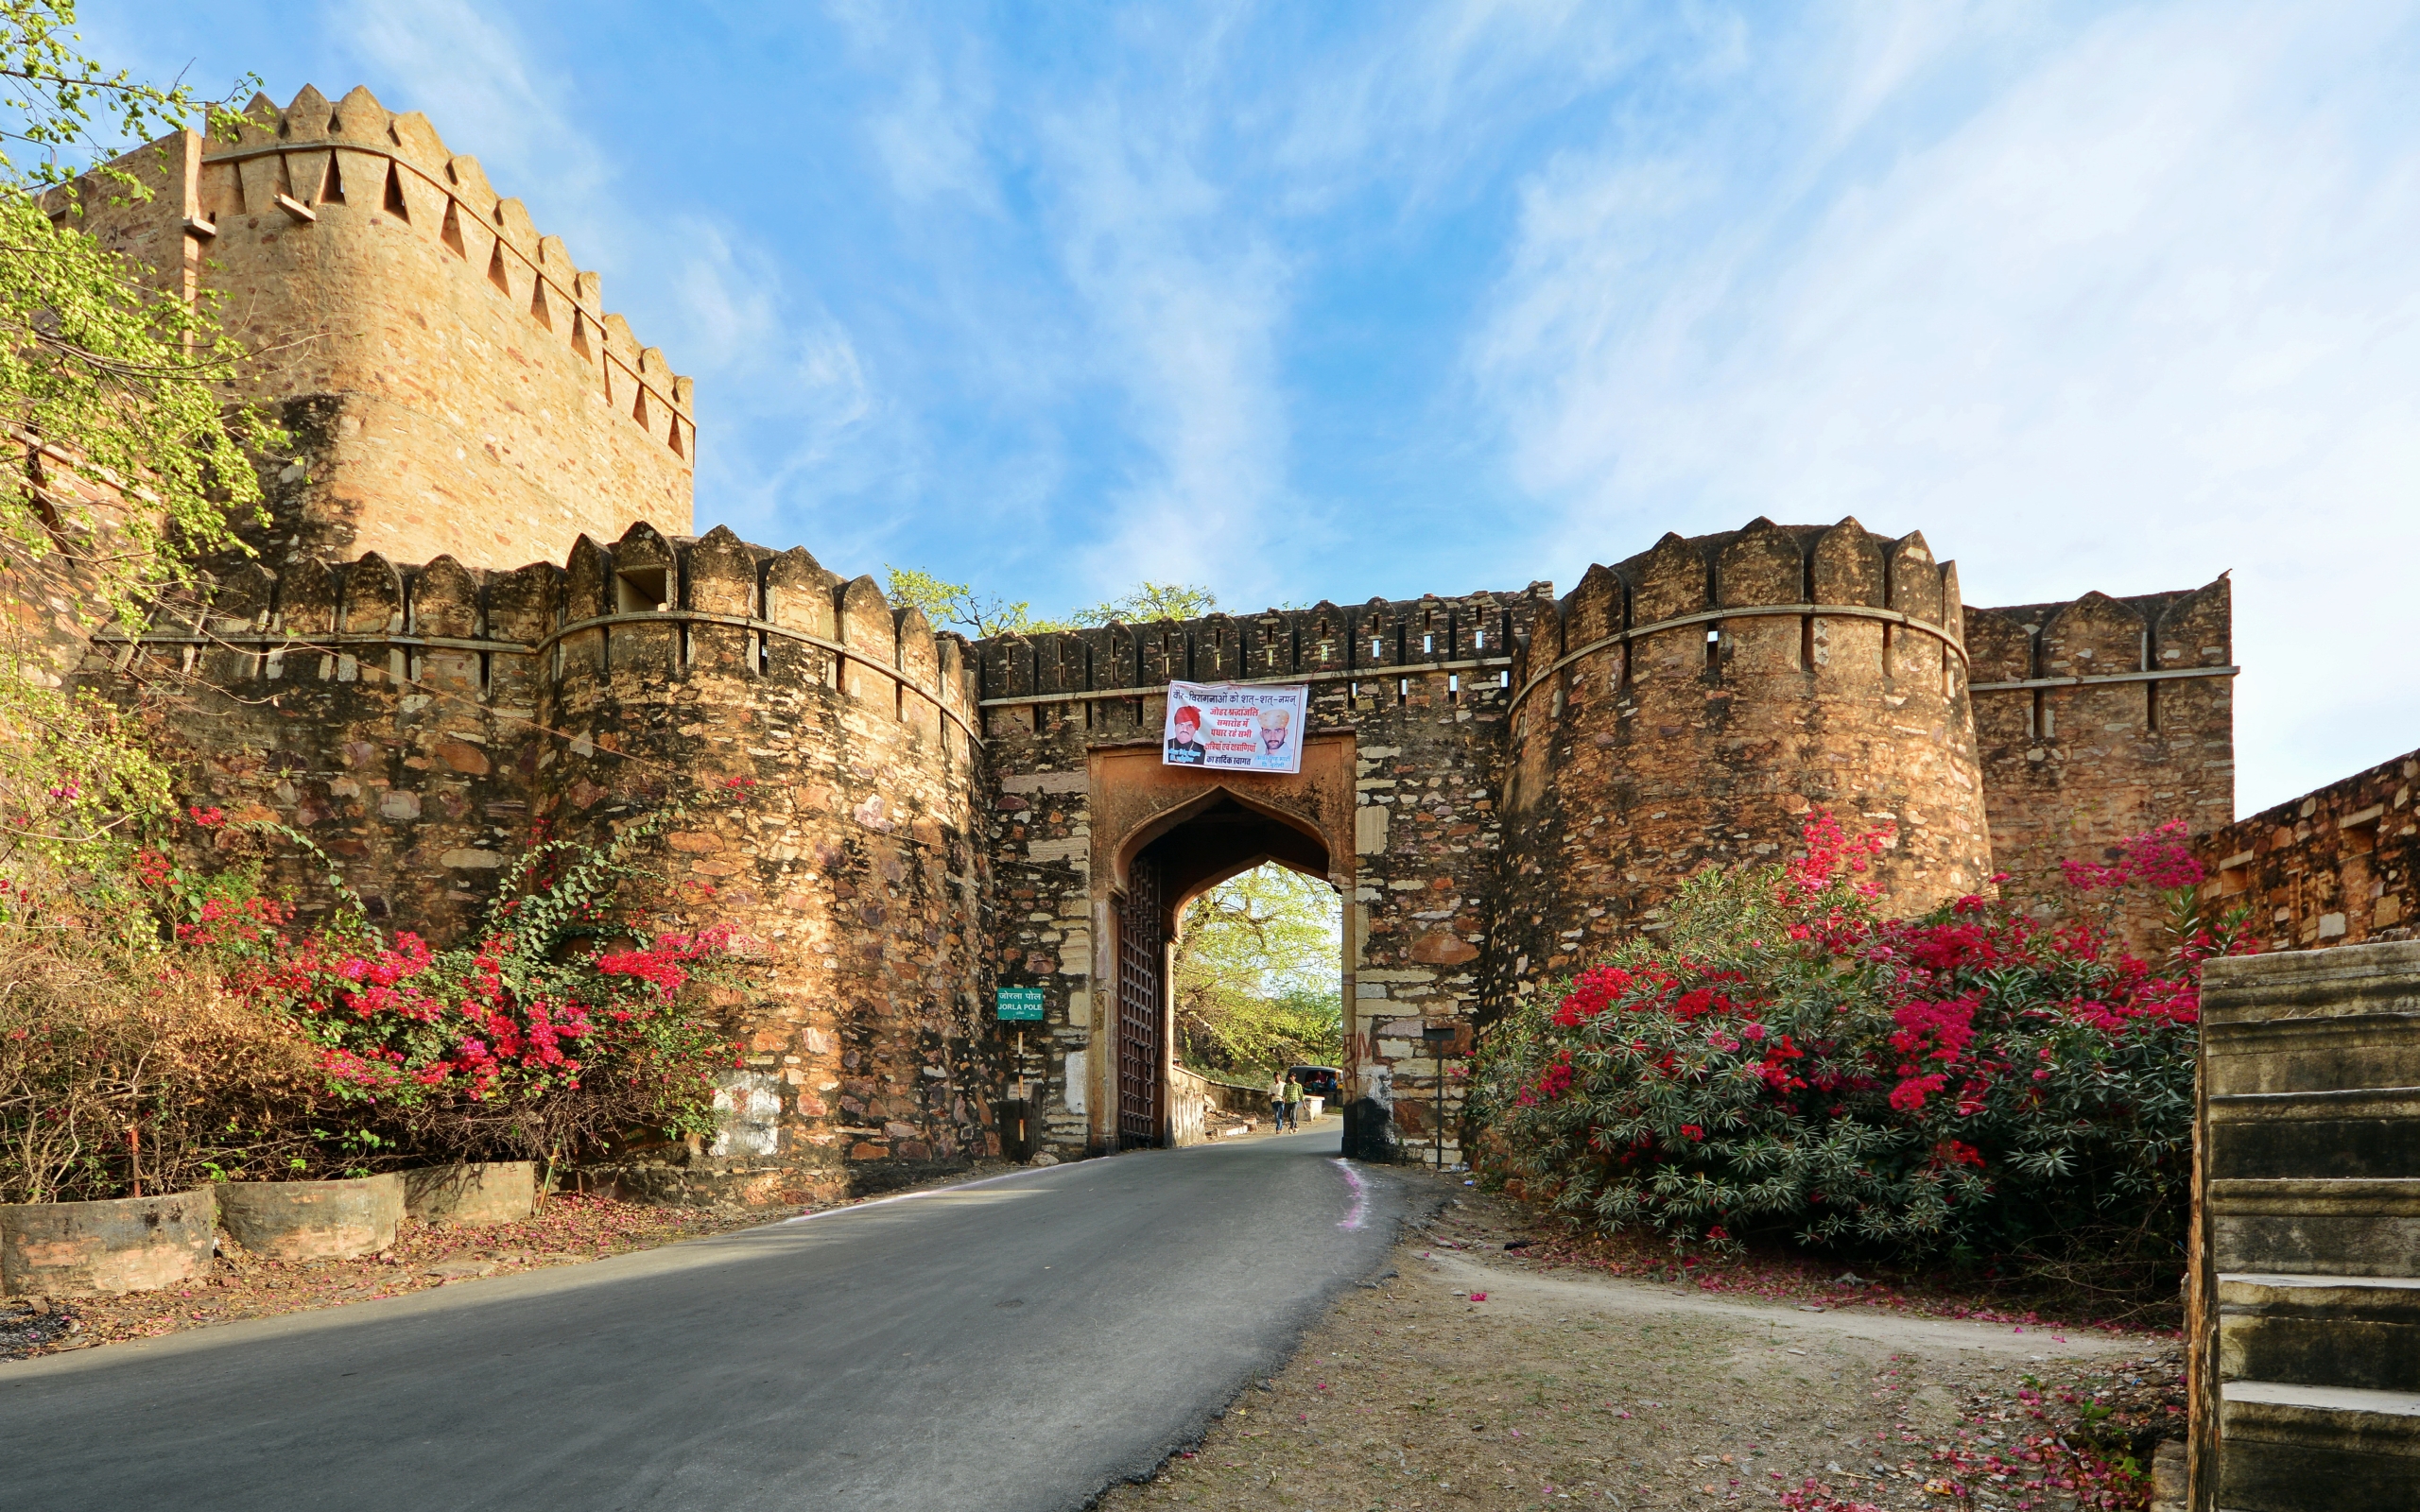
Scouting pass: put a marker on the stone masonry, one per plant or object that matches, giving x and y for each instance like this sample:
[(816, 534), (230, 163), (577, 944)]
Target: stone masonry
[(1503, 783), (453, 381)]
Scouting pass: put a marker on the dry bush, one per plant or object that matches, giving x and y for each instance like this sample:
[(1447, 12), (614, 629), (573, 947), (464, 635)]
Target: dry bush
[(125, 1070)]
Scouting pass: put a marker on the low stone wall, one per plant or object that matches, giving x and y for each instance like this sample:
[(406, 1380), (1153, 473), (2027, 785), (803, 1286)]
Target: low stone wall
[(126, 1245), (312, 1220), (472, 1195)]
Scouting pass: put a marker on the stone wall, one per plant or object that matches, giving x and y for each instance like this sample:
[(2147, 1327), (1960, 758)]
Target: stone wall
[(419, 723), (1689, 706), (1503, 785), (2102, 719), (1420, 687), (2332, 868), (453, 381)]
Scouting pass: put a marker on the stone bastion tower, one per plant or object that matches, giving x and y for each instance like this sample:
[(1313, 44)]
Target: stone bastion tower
[(481, 613), (1690, 706), (453, 381)]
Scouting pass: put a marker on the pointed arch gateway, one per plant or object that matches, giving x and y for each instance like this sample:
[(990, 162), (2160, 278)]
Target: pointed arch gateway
[(1164, 835)]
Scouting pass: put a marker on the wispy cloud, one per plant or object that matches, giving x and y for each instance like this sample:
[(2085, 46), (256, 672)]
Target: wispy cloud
[(1326, 301), (2143, 313)]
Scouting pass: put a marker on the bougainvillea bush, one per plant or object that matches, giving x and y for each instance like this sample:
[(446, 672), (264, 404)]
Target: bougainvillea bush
[(1974, 1085), (189, 1030), (554, 1034)]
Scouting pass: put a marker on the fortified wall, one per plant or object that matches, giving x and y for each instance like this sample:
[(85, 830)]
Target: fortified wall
[(421, 723), (1502, 784), (453, 381)]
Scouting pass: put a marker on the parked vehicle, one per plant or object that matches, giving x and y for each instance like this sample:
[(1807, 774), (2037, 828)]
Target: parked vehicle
[(1324, 1082)]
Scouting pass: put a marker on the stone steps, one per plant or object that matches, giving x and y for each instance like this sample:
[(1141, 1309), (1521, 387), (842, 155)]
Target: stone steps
[(2311, 1159), (2356, 1331), (2317, 1449)]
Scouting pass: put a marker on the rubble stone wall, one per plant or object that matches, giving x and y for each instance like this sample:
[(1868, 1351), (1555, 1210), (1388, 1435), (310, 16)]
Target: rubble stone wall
[(2332, 868), (2099, 719), (1689, 706), (421, 723), (1505, 786)]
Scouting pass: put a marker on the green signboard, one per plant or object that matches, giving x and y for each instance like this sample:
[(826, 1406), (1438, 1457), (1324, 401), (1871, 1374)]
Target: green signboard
[(1021, 1004)]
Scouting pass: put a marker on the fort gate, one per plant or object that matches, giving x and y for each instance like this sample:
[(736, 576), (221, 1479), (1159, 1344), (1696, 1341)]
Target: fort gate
[(1503, 784)]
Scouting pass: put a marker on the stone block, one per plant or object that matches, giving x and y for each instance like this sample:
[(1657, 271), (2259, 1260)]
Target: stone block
[(472, 1195), (312, 1220), (118, 1244)]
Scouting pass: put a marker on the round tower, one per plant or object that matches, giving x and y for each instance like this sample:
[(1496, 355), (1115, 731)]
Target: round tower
[(1692, 705)]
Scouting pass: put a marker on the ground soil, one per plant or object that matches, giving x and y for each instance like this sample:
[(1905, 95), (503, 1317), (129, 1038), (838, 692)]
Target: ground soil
[(569, 1230), (1568, 1384)]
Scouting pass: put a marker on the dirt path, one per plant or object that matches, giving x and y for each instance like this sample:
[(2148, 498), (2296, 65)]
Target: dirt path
[(1562, 1388)]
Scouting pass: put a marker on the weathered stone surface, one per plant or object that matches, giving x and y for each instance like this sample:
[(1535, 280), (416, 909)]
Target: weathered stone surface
[(2334, 867), (1502, 785), (124, 1245), (312, 1220), (453, 384)]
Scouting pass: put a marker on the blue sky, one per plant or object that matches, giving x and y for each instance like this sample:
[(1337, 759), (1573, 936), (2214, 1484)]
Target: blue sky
[(1341, 300)]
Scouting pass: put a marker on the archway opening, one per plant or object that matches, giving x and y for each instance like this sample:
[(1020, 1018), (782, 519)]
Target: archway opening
[(1228, 870), (1257, 983)]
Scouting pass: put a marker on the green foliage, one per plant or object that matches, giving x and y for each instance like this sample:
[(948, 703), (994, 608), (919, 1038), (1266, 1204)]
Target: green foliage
[(1970, 1086), (1258, 968), (957, 604), (51, 91), (1150, 602), (112, 393), (979, 615), (556, 1033)]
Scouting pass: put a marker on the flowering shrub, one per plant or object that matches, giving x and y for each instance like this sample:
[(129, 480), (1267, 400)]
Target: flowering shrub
[(529, 1042), (1785, 1061)]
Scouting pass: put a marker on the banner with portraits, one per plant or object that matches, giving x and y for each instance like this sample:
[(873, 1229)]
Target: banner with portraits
[(1235, 726)]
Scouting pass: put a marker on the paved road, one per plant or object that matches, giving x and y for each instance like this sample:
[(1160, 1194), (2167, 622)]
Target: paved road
[(1014, 1344)]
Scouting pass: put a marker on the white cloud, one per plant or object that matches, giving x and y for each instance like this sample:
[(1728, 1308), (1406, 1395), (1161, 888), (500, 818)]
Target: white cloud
[(474, 79), (2143, 312), (1187, 300)]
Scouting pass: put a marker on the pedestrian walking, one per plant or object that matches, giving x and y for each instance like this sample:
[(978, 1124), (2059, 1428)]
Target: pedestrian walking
[(1277, 1102), (1292, 1093)]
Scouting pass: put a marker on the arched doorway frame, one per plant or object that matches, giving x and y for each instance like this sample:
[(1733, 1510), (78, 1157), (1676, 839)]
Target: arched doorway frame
[(1137, 800)]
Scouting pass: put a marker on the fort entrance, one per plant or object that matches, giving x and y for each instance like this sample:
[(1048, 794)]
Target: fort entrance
[(1502, 784), (1172, 834)]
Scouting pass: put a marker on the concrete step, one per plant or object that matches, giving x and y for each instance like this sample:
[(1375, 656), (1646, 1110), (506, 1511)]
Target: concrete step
[(2297, 1228), (2360, 1134), (2320, 1331), (2288, 1448)]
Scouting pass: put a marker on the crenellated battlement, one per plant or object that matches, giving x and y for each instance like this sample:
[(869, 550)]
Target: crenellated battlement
[(359, 154), (657, 602), (2096, 638), (451, 378), (1504, 785), (2098, 717), (1371, 654), (1765, 597)]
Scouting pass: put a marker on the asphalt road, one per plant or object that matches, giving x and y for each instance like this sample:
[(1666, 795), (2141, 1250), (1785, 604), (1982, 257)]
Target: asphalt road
[(1014, 1344)]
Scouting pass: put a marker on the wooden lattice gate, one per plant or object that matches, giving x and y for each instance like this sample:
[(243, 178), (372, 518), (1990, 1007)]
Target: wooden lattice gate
[(1142, 957)]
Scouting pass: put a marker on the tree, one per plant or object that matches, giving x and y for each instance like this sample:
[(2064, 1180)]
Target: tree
[(959, 604), (1151, 601), (114, 396), (1258, 974), (946, 603)]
